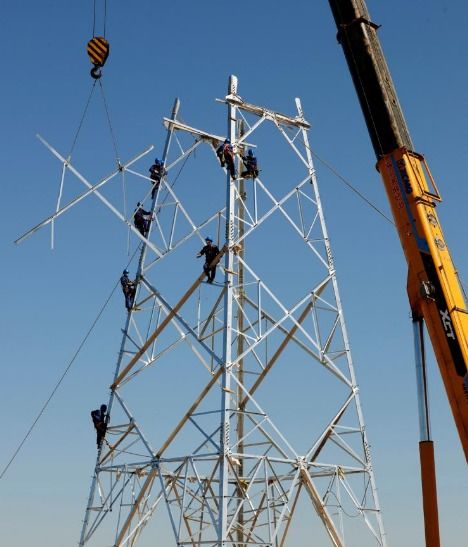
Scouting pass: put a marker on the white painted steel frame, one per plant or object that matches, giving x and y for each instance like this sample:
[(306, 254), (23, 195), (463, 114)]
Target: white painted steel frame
[(234, 487)]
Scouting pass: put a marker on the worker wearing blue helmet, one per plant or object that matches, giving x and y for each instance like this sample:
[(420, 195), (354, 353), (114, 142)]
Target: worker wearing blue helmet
[(211, 252), (128, 288), (157, 172), (225, 154)]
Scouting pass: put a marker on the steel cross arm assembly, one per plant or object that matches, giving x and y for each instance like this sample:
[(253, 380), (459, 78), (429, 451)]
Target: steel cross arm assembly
[(281, 119), (165, 322), (92, 188), (100, 197), (214, 139)]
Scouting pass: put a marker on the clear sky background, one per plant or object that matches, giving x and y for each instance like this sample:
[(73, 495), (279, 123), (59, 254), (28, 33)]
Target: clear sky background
[(160, 50)]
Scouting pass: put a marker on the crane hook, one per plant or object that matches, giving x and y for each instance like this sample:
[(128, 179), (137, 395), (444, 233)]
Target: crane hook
[(98, 51), (96, 72)]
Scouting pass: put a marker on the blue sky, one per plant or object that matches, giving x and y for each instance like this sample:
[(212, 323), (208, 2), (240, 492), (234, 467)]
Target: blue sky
[(187, 49)]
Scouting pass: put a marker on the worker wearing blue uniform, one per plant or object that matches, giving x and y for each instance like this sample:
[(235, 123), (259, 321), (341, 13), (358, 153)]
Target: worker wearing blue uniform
[(100, 420), (211, 252), (157, 172), (128, 288), (251, 167), (141, 219)]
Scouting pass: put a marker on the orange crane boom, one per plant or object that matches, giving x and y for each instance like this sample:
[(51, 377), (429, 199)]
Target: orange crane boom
[(435, 294)]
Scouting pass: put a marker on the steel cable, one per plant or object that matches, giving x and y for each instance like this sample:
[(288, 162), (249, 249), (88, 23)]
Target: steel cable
[(82, 119), (346, 182), (62, 377), (114, 141)]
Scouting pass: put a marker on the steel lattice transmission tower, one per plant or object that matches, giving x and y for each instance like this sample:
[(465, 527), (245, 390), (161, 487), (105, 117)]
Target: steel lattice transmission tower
[(234, 407)]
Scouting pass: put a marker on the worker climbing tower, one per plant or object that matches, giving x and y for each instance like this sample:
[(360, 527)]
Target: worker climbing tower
[(235, 417)]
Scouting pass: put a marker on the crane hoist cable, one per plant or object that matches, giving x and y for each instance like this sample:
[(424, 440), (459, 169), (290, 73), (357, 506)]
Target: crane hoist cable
[(98, 46), (104, 18)]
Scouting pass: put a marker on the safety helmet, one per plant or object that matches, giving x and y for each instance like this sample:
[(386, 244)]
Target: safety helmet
[(156, 161), (208, 238), (227, 141), (103, 408), (250, 152), (126, 272)]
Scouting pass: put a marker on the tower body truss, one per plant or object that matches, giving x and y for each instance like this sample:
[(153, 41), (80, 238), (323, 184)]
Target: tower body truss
[(235, 411)]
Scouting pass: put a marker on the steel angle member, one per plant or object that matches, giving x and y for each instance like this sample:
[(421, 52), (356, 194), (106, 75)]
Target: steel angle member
[(215, 139)]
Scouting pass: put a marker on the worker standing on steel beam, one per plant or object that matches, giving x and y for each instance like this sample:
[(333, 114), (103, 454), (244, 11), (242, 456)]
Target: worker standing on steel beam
[(211, 252)]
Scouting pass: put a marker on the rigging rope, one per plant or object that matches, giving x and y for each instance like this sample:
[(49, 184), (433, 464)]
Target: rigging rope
[(351, 187), (346, 182), (62, 377), (366, 200), (114, 141), (82, 119)]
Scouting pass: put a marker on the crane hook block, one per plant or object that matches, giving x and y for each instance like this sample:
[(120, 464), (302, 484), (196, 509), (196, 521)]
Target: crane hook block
[(98, 51), (96, 72)]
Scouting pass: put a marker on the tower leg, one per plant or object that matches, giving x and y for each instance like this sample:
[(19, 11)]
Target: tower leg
[(227, 337)]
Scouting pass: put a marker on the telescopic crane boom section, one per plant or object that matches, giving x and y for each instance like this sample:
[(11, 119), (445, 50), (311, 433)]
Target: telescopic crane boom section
[(433, 287), (434, 290)]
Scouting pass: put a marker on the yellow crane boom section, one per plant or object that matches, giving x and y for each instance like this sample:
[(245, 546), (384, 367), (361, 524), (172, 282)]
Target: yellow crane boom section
[(434, 289)]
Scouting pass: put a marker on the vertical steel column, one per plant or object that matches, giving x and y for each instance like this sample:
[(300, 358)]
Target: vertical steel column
[(426, 446), (240, 350), (227, 337), (175, 110)]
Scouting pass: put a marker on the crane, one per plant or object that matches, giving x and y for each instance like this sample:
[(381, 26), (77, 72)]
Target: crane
[(434, 290)]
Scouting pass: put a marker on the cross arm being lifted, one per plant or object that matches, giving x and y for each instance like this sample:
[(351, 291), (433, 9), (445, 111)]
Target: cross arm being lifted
[(91, 188)]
